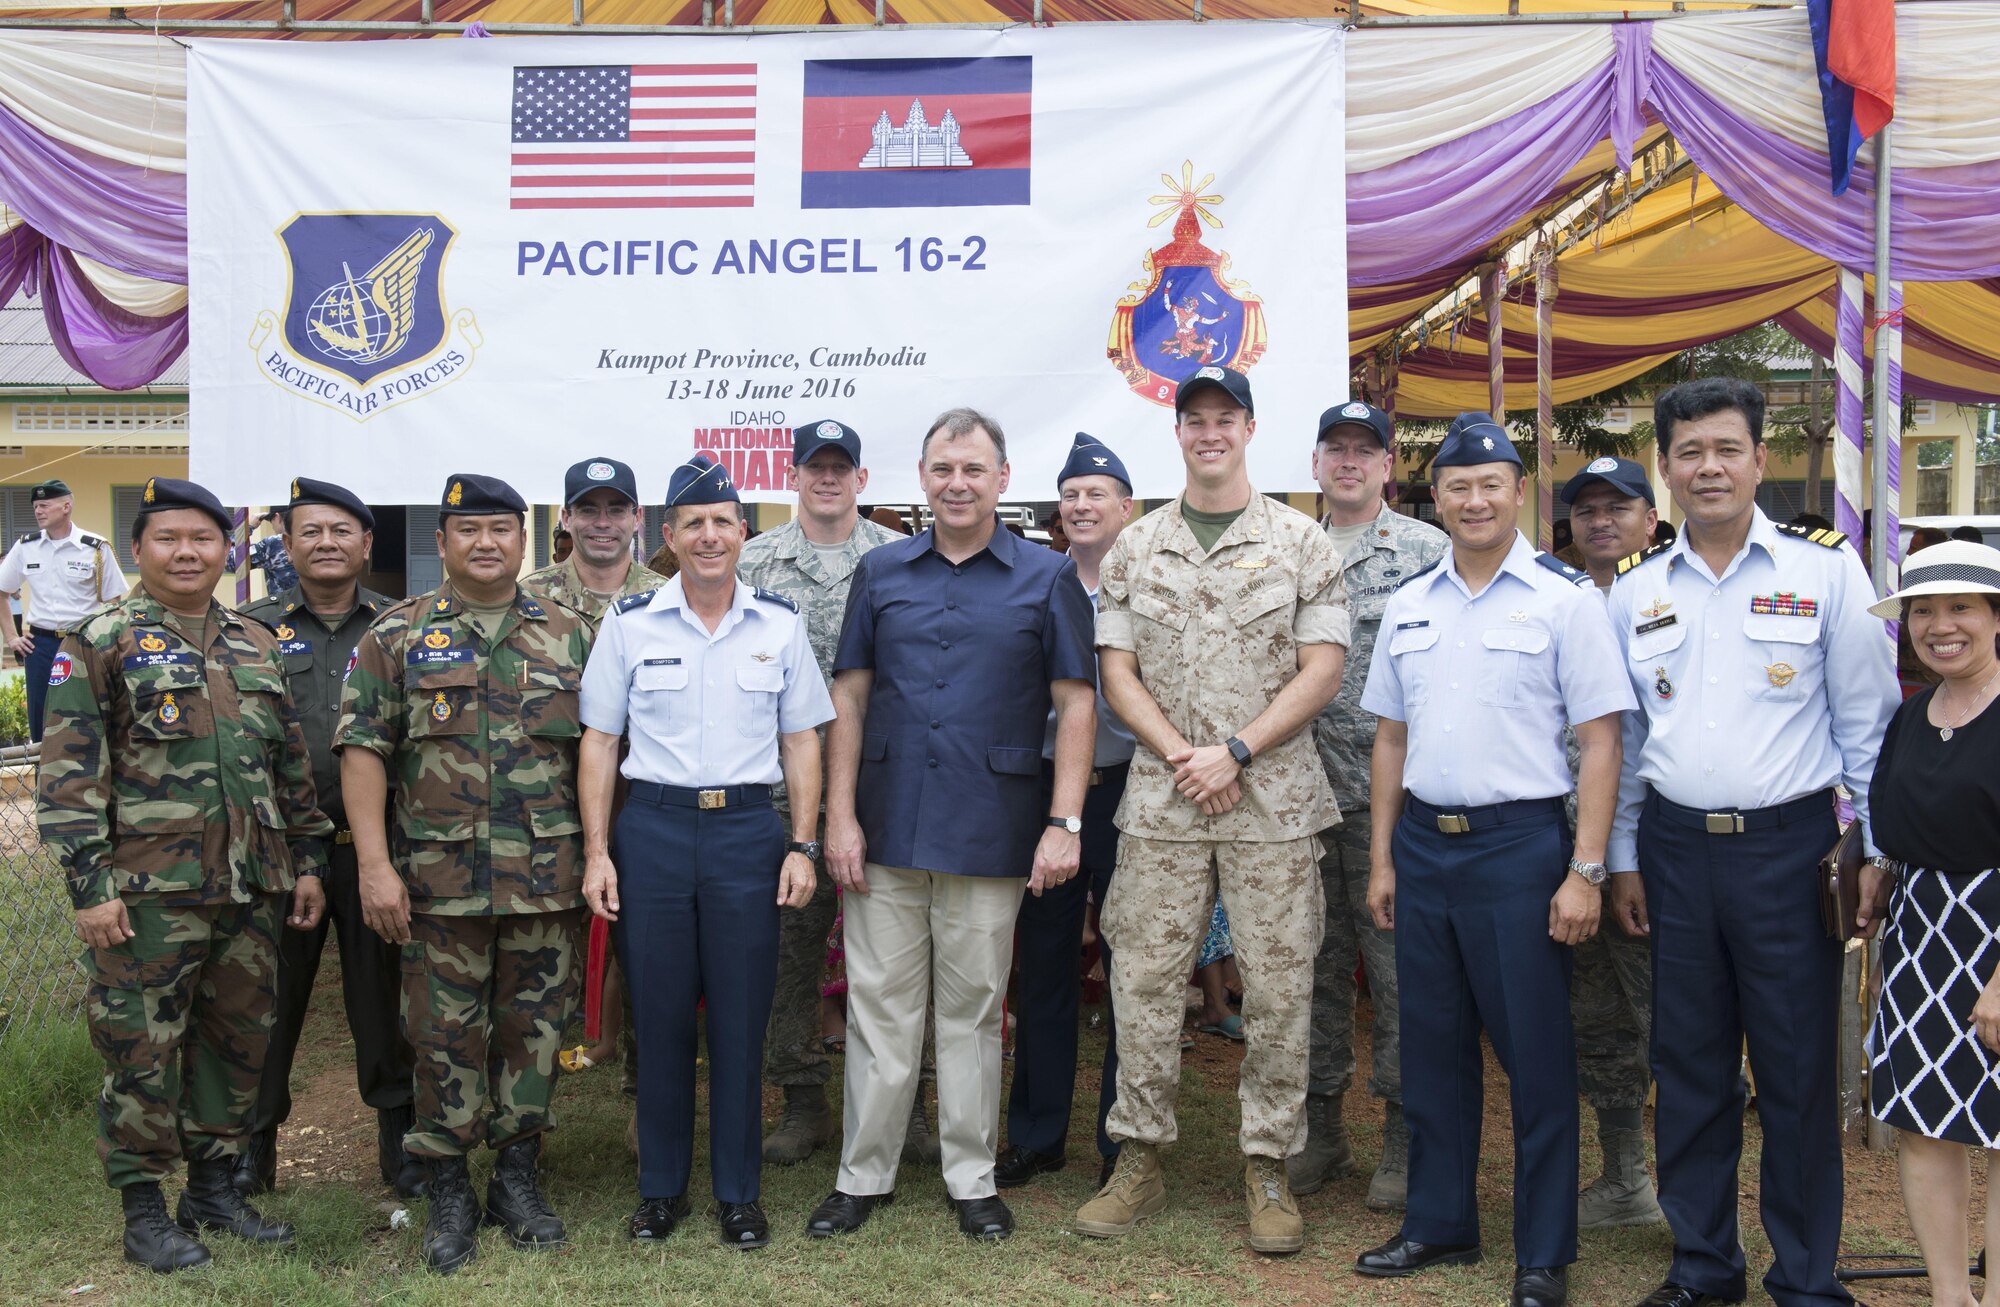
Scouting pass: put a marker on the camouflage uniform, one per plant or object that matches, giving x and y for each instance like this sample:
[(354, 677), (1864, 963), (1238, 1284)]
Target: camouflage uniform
[(1610, 1001), (480, 741), (785, 562), (1217, 636), (176, 777), (1393, 548)]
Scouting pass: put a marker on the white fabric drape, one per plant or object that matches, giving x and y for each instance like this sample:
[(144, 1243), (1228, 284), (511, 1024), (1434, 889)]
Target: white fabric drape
[(121, 97), (140, 295)]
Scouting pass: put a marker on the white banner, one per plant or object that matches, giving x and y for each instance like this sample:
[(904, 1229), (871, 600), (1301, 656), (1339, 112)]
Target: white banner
[(416, 258)]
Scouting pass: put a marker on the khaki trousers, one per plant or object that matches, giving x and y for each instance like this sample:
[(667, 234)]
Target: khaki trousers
[(917, 939)]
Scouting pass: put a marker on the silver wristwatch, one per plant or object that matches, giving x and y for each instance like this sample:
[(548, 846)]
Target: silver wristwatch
[(1594, 872)]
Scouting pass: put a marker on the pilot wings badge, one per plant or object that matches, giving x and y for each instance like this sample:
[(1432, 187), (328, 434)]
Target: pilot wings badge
[(364, 326), (1185, 313)]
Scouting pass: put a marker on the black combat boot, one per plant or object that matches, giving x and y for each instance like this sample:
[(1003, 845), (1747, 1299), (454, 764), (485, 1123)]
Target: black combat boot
[(210, 1202), (451, 1233), (514, 1198), (256, 1170), (400, 1171), (151, 1240)]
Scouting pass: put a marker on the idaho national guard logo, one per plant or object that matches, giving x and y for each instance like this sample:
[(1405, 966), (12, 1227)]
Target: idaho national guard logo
[(170, 712), (441, 707), (151, 643), (364, 325), (1185, 314)]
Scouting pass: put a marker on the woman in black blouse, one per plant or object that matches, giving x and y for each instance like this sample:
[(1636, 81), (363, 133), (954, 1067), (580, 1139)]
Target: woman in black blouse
[(1934, 811)]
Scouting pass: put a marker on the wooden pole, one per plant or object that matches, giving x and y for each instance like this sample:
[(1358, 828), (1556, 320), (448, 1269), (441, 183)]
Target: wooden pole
[(1545, 418), (1496, 371)]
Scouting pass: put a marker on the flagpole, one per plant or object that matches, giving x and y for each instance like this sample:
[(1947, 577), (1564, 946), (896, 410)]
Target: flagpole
[(1888, 406)]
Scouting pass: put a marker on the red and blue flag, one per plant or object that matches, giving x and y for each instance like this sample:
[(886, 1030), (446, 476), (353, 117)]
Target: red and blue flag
[(1854, 44), (916, 133)]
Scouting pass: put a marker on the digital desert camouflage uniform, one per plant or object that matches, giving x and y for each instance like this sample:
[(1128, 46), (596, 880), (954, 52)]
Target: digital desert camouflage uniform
[(175, 776), (1610, 1000), (784, 561), (1217, 636), (480, 740), (1392, 549)]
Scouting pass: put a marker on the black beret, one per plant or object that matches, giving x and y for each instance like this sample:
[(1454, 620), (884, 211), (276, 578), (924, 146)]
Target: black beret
[(469, 495), (163, 494), (306, 491)]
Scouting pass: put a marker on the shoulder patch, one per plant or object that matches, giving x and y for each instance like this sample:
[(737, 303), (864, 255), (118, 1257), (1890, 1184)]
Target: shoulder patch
[(1817, 535), (90, 541), (1573, 575), (1422, 571), (773, 597), (1631, 561), (629, 602)]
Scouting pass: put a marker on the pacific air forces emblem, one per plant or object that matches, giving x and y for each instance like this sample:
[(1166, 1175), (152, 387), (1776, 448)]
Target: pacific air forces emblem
[(364, 326), (1185, 313)]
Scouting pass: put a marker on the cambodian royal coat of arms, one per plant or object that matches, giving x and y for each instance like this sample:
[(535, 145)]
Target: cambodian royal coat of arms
[(1185, 313)]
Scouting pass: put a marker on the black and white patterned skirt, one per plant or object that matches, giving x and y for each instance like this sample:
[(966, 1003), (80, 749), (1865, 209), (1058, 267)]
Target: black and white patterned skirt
[(1927, 1070)]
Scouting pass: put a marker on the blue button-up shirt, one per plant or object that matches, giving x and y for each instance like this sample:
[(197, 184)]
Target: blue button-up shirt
[(1115, 742), (962, 656), (1762, 685), (705, 709), (1487, 682)]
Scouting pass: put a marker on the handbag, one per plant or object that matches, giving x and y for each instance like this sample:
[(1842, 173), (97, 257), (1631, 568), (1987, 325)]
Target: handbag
[(1840, 884)]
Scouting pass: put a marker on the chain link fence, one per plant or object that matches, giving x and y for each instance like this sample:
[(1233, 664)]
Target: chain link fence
[(40, 982)]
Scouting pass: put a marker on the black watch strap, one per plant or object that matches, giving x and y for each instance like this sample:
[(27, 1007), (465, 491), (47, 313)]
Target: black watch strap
[(808, 847), (1239, 751)]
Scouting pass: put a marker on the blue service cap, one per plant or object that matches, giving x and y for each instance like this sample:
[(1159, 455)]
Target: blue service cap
[(594, 473), (471, 495), (164, 494), (1621, 474), (307, 491), (1227, 380), (701, 480), (1358, 413), (1090, 457), (811, 437), (1475, 438)]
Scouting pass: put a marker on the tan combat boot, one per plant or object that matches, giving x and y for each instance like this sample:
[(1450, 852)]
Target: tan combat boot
[(1275, 1225), (1136, 1191)]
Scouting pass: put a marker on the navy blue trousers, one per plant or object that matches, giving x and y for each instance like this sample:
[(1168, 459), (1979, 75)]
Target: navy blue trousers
[(698, 920), (1473, 951), (1048, 949), (1739, 952), (35, 679)]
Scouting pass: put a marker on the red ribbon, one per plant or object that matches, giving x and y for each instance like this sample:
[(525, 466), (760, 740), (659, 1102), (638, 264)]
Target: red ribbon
[(593, 976)]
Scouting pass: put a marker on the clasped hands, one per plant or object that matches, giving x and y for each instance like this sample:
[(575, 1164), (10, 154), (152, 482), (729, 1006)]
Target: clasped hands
[(1207, 776)]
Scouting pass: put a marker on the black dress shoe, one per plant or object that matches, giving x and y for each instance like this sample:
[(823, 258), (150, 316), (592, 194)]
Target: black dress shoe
[(743, 1225), (1016, 1165), (1540, 1286), (1680, 1295), (657, 1217), (1402, 1256), (256, 1167), (984, 1218), (844, 1213)]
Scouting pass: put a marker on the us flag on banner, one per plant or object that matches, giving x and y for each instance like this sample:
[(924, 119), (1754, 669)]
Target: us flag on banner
[(637, 136)]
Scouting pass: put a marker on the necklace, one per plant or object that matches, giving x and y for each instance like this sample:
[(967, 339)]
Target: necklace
[(1944, 732)]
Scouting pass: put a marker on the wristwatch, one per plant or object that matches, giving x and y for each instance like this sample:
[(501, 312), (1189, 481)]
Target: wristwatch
[(1074, 825), (1239, 751), (1880, 863), (808, 847), (1594, 872)]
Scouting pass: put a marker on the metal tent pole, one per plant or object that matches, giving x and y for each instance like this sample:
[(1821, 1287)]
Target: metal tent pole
[(1888, 416)]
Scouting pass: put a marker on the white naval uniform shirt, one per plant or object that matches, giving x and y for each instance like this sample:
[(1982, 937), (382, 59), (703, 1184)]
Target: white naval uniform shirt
[(1487, 682), (67, 579), (703, 709), (1763, 685)]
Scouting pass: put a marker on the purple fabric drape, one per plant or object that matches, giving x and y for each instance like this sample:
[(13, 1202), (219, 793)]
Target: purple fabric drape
[(114, 348), (134, 219)]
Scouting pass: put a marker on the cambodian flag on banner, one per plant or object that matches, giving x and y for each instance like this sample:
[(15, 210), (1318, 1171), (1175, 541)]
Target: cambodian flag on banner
[(916, 133), (1854, 43)]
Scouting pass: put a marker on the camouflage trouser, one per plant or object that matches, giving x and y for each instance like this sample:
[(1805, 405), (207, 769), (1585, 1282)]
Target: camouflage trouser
[(1351, 934), (1611, 1003), (485, 1001), (792, 1054), (1156, 915), (181, 1015)]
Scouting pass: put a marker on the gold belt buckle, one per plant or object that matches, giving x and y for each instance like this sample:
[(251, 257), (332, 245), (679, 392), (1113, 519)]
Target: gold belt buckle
[(1725, 823), (1454, 823), (1097, 778), (712, 799), (343, 837)]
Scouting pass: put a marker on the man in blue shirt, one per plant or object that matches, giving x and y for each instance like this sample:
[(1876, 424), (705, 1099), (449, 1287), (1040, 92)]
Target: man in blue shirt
[(955, 644)]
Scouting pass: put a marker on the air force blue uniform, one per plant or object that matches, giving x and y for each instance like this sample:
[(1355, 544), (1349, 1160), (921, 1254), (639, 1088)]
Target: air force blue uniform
[(1486, 682), (1762, 689), (698, 849)]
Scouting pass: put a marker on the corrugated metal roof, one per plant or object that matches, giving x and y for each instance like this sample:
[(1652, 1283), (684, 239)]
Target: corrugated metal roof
[(29, 360)]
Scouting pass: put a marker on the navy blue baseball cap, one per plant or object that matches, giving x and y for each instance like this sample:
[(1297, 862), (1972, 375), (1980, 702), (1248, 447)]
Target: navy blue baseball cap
[(1358, 413), (1621, 474), (1090, 457), (701, 480), (811, 437), (469, 495), (307, 491), (1475, 438), (599, 473), (1227, 380), (164, 494)]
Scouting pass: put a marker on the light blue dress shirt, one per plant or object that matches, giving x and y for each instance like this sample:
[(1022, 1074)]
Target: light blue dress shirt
[(1487, 682), (1760, 686), (703, 709), (1115, 742)]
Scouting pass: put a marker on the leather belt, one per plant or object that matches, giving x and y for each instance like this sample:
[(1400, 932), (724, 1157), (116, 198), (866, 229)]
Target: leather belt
[(684, 796), (45, 632), (1736, 821), (1463, 821)]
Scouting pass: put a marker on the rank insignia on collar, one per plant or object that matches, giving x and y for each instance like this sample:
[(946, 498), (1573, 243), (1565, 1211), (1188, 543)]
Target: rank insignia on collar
[(152, 643), (170, 712), (760, 657), (1663, 688), (437, 638), (1780, 673), (441, 708), (443, 605), (285, 631), (531, 608), (1251, 564)]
